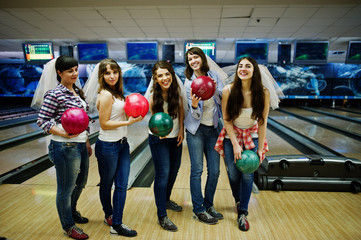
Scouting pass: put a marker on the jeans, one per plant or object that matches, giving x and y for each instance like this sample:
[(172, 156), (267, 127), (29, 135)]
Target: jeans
[(203, 141), (71, 162), (166, 157), (114, 167), (241, 183)]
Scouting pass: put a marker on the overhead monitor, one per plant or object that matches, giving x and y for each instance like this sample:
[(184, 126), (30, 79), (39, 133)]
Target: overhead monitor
[(92, 52), (255, 49), (38, 53), (311, 52), (142, 52), (208, 47), (354, 52)]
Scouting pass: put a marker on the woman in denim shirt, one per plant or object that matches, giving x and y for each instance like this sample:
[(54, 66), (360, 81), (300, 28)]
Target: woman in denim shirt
[(69, 153), (201, 124)]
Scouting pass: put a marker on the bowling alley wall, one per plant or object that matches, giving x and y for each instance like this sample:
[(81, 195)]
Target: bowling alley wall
[(326, 81)]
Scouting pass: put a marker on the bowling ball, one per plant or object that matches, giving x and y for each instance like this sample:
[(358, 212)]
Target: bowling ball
[(75, 120), (249, 162), (203, 87), (161, 124), (136, 105)]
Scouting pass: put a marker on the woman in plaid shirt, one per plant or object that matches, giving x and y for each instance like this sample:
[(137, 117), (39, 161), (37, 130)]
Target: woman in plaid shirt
[(69, 153)]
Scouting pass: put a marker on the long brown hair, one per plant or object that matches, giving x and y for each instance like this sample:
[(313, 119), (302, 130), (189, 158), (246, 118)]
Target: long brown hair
[(63, 63), (188, 72), (117, 91), (236, 99), (173, 91)]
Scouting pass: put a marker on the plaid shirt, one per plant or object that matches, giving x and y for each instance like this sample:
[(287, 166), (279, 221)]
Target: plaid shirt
[(56, 102), (244, 139)]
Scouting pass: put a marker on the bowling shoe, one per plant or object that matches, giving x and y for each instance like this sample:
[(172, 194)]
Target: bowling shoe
[(243, 223), (167, 224), (173, 206), (78, 218), (108, 220), (76, 233), (205, 217), (123, 230), (212, 211)]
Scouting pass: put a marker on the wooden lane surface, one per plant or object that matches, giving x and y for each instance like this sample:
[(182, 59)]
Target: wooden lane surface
[(344, 145), (331, 121), (18, 131), (272, 215), (340, 112)]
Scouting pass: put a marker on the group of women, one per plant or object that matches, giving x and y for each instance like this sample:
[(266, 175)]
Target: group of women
[(244, 103)]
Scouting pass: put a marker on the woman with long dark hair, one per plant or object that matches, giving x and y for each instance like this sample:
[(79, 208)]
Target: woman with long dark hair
[(69, 153), (245, 108), (165, 96)]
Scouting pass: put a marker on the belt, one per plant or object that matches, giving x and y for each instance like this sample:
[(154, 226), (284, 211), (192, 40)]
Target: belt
[(123, 140)]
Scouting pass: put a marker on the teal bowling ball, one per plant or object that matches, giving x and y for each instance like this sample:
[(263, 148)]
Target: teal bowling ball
[(161, 124), (249, 162)]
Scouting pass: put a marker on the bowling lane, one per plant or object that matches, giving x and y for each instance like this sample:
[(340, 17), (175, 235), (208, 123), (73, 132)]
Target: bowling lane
[(331, 121), (18, 131), (339, 112), (16, 156), (338, 142)]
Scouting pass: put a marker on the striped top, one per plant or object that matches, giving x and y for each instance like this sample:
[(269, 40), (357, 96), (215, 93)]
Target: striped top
[(56, 102)]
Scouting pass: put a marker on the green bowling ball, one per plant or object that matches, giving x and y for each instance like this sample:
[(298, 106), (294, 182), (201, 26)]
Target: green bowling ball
[(161, 124), (249, 162)]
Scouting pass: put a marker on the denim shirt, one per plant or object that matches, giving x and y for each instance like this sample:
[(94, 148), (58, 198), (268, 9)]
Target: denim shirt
[(194, 116)]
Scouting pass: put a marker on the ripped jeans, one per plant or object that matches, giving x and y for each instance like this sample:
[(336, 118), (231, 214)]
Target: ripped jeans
[(71, 162)]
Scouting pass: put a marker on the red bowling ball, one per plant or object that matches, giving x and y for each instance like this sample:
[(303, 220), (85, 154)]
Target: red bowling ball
[(136, 105), (203, 87), (75, 120)]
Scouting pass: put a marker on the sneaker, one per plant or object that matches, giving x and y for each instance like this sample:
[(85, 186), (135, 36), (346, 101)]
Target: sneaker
[(78, 218), (205, 217), (167, 224), (108, 220), (76, 233), (173, 206), (212, 211), (243, 223), (123, 230)]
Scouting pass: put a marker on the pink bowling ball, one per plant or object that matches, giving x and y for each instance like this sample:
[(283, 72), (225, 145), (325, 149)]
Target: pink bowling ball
[(75, 120), (136, 105)]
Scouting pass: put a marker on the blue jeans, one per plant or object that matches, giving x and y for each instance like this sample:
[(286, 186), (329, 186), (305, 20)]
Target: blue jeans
[(203, 141), (114, 166), (241, 183), (71, 162), (166, 157)]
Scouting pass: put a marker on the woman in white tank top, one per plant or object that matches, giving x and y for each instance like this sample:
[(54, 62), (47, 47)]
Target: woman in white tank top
[(245, 107), (166, 151), (112, 148)]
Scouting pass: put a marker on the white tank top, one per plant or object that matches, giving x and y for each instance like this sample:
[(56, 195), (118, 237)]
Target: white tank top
[(208, 112), (175, 130), (244, 120), (117, 114)]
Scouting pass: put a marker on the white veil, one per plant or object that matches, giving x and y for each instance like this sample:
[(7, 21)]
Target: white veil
[(214, 67), (48, 81), (91, 88), (149, 93), (267, 80)]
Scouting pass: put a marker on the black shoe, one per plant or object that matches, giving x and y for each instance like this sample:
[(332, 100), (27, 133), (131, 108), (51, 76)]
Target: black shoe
[(211, 211), (167, 224), (123, 230), (205, 217), (78, 218), (173, 206)]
